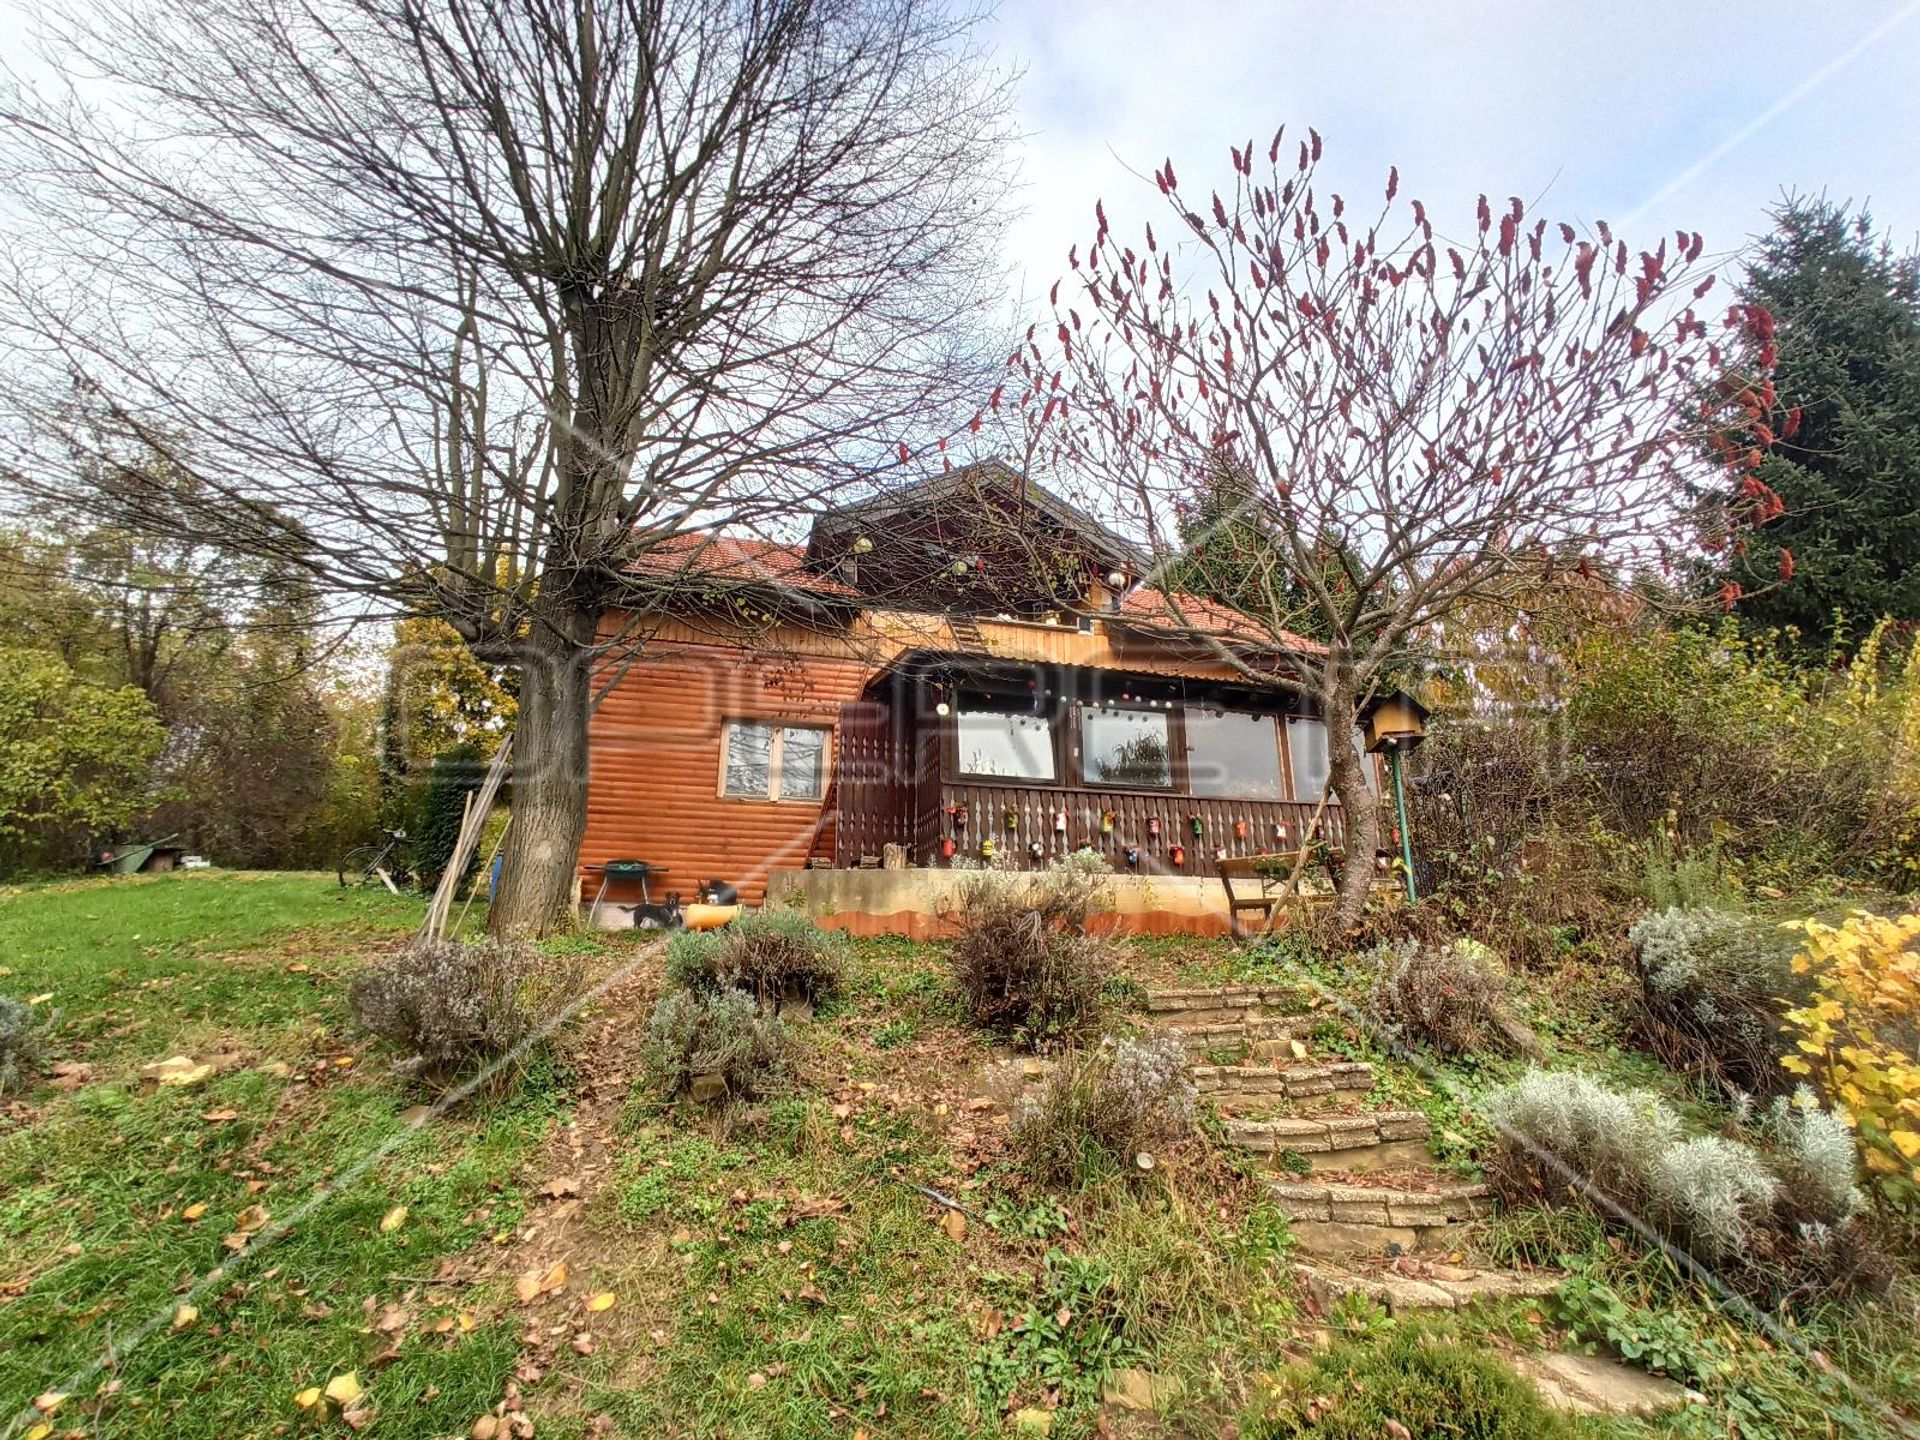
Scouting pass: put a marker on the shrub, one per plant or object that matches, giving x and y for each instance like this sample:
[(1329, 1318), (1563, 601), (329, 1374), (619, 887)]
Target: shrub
[(724, 1038), (21, 1044), (455, 775), (1452, 997), (1858, 1039), (1715, 987), (1787, 1230), (773, 955), (1024, 964), (1104, 1109), (1408, 1383), (450, 1004)]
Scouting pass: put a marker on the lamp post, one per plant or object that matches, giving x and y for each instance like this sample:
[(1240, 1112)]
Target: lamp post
[(1395, 724)]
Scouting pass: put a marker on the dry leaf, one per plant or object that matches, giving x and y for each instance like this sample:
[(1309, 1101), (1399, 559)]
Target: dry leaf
[(48, 1401), (344, 1389), (357, 1417), (393, 1219), (583, 1343), (308, 1398), (254, 1217), (194, 1211), (297, 967), (555, 1280), (185, 1316), (603, 1301), (220, 1117), (560, 1187), (39, 1432), (485, 1428), (955, 1224), (527, 1285)]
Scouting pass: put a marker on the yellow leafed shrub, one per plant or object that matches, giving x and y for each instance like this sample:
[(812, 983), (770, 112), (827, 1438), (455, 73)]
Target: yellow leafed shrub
[(1858, 1038)]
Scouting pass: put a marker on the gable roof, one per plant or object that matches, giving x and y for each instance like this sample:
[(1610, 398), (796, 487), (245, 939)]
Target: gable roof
[(967, 486)]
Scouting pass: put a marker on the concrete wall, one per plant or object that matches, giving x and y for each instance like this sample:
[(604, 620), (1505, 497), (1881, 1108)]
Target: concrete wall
[(912, 902)]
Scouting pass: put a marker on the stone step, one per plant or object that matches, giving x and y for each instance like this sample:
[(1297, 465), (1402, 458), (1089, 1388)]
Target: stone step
[(1369, 1142), (1188, 1005), (1332, 1219), (1417, 1285), (1260, 1037), (1239, 1089)]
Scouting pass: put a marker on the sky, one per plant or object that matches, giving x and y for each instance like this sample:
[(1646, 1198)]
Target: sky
[(1688, 114)]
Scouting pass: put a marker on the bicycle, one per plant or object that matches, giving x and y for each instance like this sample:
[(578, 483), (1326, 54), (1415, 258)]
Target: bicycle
[(389, 864)]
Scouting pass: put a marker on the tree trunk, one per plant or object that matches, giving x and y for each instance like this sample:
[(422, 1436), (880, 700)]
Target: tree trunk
[(542, 851), (1340, 712)]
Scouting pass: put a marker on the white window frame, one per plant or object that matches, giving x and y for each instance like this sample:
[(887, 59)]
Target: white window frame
[(775, 755)]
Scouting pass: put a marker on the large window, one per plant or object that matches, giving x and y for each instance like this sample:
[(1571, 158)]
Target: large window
[(1307, 742), (763, 761), (1125, 747), (1012, 745), (1232, 756)]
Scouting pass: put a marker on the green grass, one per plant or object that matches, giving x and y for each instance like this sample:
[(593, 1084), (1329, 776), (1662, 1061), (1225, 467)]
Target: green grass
[(96, 1250)]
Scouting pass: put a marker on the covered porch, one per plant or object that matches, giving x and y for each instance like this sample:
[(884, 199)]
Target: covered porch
[(952, 758)]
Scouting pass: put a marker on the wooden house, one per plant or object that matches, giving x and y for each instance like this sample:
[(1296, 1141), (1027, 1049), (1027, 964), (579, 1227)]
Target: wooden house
[(966, 666)]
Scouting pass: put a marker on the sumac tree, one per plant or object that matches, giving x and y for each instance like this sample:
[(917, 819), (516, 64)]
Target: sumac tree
[(1418, 423)]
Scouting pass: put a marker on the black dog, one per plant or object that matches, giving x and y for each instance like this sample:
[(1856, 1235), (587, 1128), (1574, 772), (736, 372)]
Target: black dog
[(658, 917)]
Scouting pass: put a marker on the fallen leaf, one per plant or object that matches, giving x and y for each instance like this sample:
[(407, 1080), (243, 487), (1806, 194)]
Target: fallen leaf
[(185, 1316), (344, 1389), (485, 1428), (555, 1280), (955, 1224), (393, 1219), (560, 1187), (48, 1401), (39, 1432), (297, 967), (583, 1343), (527, 1285), (254, 1217), (194, 1211), (308, 1398), (603, 1301), (357, 1417), (756, 1381), (41, 998), (220, 1117)]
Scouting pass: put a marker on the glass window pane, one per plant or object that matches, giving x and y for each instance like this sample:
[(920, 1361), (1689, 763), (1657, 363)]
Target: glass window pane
[(1019, 747), (1307, 740), (803, 756), (1125, 747), (1234, 756), (749, 760)]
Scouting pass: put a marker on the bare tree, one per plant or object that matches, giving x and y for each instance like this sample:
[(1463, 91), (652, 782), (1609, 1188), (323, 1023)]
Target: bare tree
[(463, 308), (1411, 426)]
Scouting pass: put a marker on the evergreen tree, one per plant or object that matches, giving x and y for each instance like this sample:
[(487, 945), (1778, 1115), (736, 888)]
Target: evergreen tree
[(1847, 315)]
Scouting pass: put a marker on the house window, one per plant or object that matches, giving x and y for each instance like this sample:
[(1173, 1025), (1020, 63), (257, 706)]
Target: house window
[(1307, 741), (1003, 744), (763, 761), (1125, 747), (1233, 756)]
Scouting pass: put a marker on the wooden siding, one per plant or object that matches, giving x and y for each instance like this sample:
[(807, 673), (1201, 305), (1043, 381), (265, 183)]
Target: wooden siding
[(654, 756)]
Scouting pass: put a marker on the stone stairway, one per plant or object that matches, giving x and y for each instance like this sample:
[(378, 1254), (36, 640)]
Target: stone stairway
[(1358, 1183)]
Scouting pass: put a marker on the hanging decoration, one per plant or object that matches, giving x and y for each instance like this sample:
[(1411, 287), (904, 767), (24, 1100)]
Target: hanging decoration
[(1220, 852), (1153, 827), (1012, 818), (1178, 855), (1036, 850), (958, 815), (1132, 852), (947, 847), (1106, 822), (986, 847), (1240, 829), (1060, 821), (1280, 831), (1198, 825)]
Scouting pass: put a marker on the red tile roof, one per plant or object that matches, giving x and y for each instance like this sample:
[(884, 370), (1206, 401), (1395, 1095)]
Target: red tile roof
[(748, 560), (737, 559), (1177, 611)]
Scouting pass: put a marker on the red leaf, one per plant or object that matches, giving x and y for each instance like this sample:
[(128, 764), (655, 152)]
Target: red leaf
[(905, 454), (1786, 564), (1792, 425), (1729, 594), (1393, 182)]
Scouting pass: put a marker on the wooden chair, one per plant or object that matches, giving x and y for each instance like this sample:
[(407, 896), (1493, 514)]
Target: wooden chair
[(1254, 882)]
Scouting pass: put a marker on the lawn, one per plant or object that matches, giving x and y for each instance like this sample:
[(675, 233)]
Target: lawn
[(117, 1199), (579, 1253)]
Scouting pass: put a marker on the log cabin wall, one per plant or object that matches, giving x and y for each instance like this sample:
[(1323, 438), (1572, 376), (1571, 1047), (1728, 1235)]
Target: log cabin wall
[(654, 747)]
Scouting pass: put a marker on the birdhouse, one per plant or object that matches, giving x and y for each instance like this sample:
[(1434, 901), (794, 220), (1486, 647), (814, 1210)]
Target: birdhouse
[(1394, 722)]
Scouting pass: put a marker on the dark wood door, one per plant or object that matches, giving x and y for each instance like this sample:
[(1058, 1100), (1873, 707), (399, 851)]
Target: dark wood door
[(872, 780)]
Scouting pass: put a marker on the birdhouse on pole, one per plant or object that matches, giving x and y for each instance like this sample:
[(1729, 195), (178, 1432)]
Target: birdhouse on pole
[(1394, 723)]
